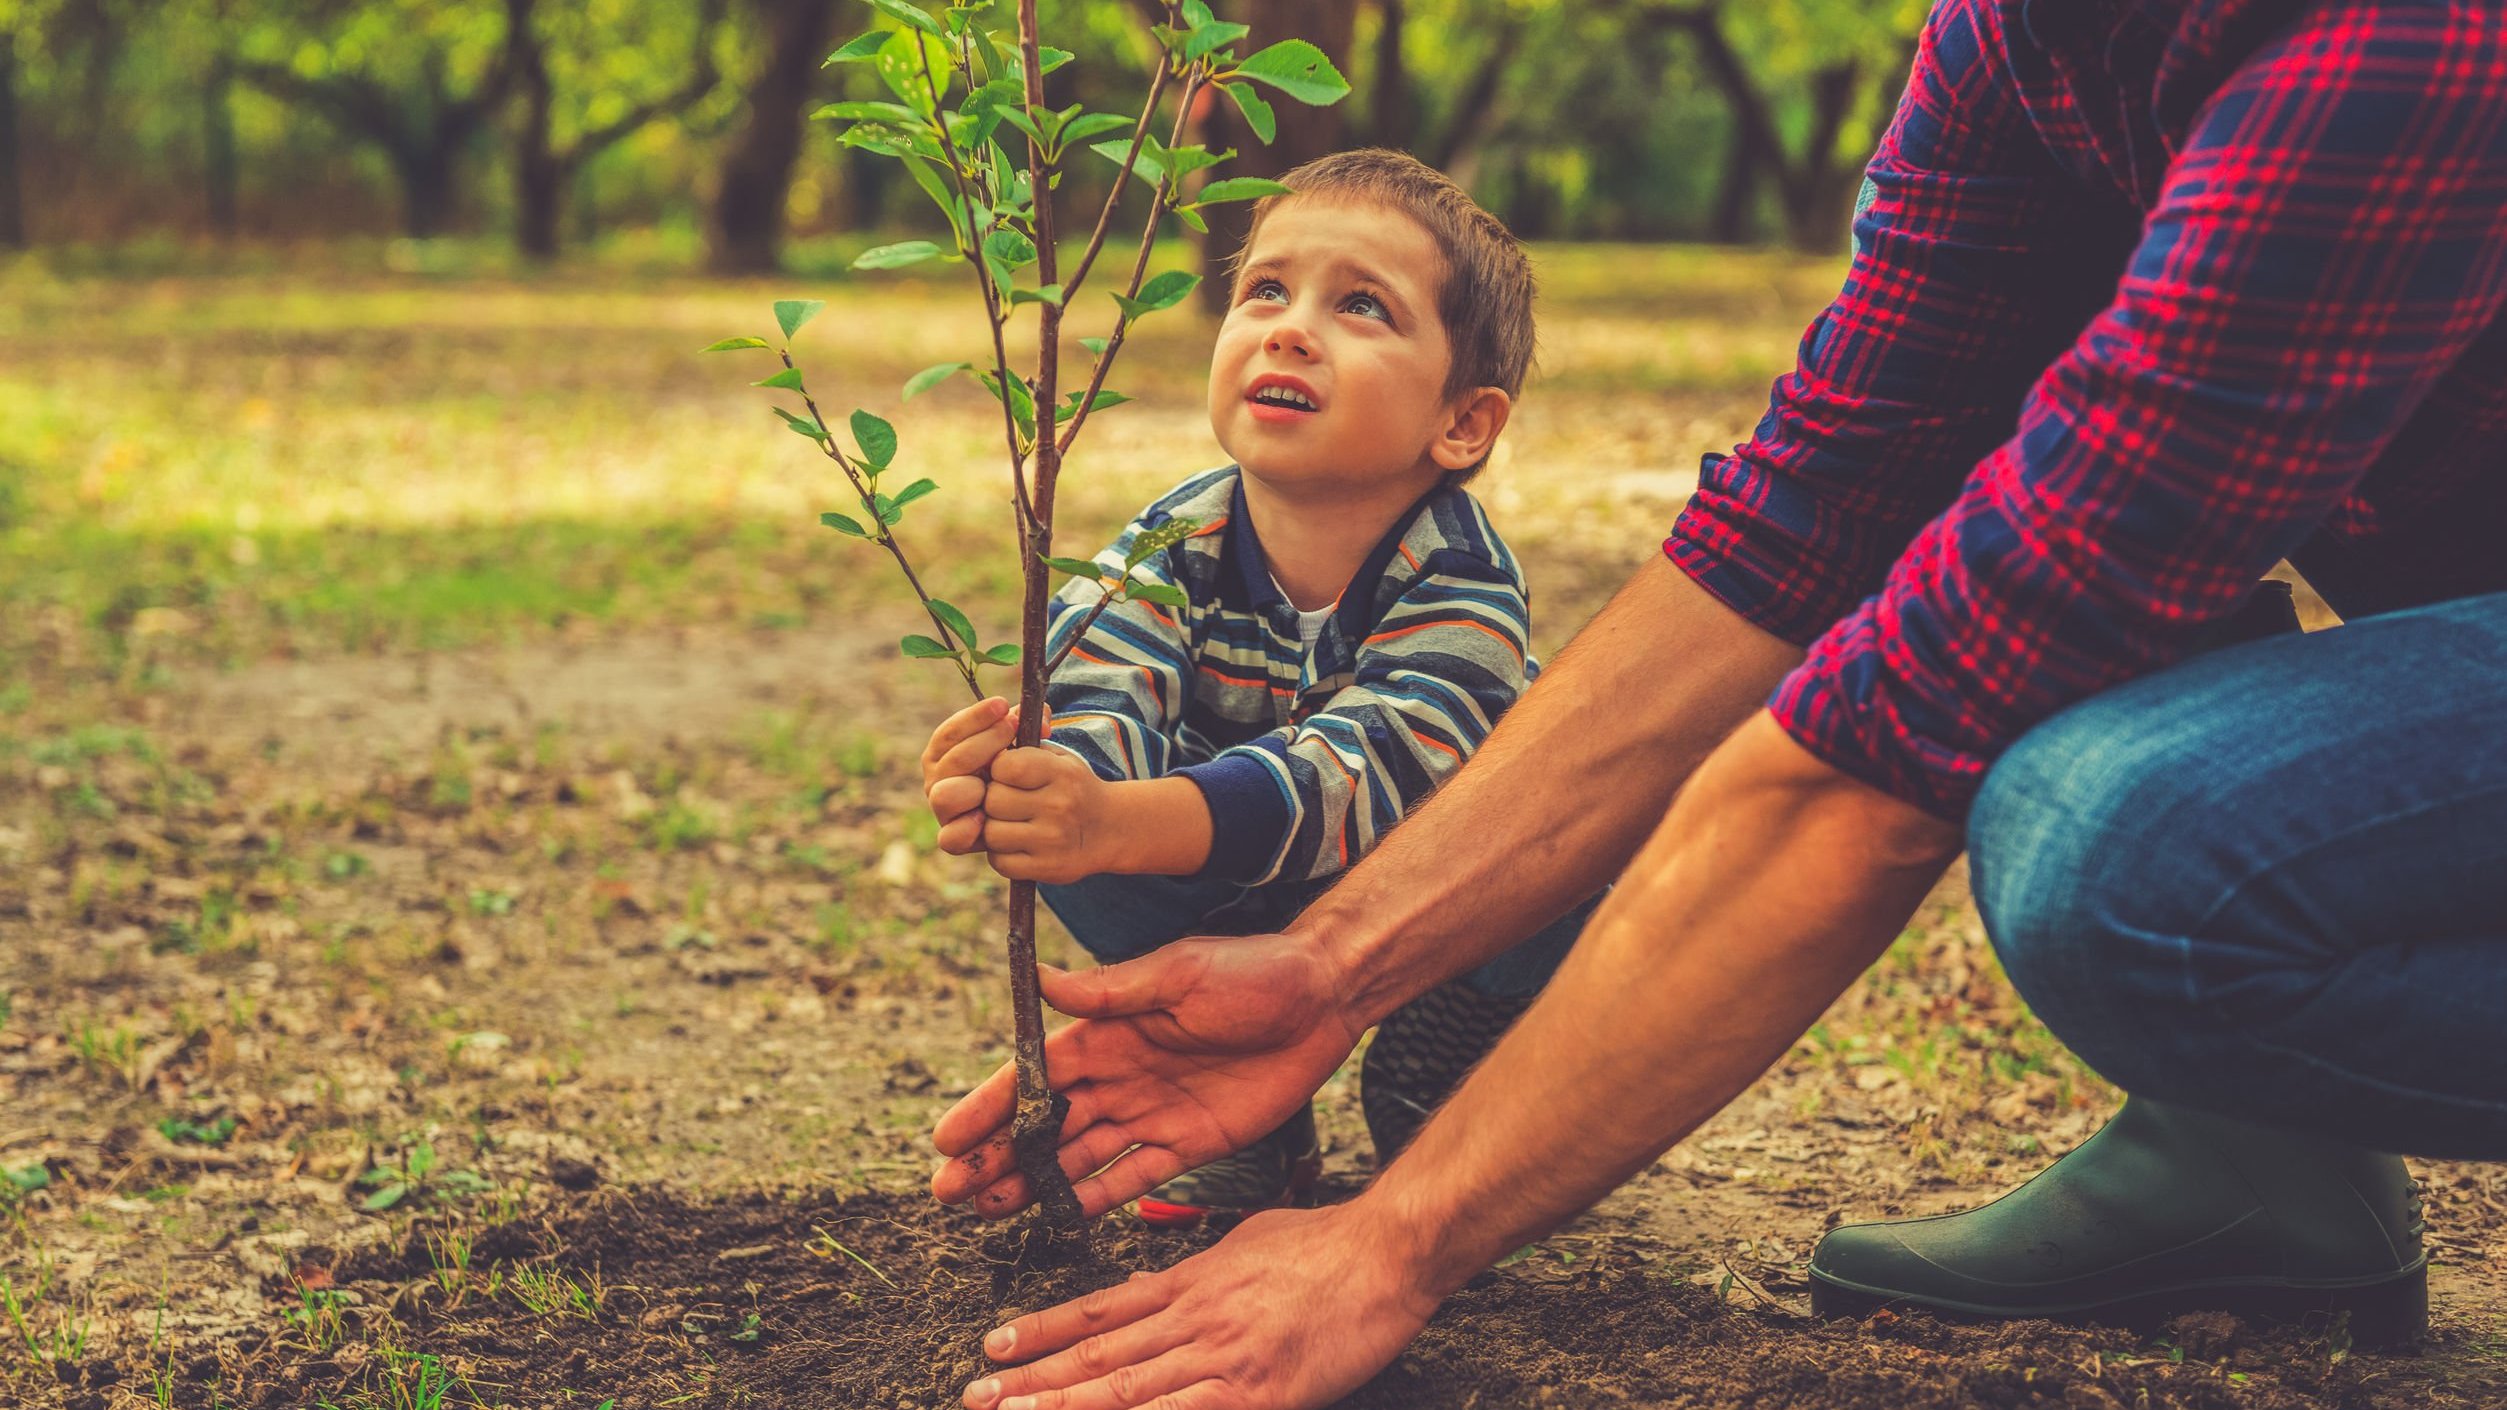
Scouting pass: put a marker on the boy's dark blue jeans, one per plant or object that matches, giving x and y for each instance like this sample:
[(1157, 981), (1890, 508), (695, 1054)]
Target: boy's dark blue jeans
[(2271, 882), (1118, 918)]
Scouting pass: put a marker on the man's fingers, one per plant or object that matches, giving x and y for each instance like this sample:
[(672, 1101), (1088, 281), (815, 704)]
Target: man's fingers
[(1116, 1371), (973, 1173), (964, 725), (1113, 991), (1040, 1334), (1127, 1179), (979, 1113)]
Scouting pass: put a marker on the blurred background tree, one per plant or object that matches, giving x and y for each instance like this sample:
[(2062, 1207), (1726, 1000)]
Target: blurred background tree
[(549, 124)]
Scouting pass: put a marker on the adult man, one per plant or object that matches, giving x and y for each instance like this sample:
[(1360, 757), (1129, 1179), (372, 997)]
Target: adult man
[(2153, 294)]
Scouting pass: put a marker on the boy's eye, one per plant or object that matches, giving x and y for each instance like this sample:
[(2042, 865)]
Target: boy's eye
[(1368, 306), (1270, 289)]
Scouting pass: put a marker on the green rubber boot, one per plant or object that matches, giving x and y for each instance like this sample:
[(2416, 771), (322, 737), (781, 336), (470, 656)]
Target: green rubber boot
[(2164, 1211)]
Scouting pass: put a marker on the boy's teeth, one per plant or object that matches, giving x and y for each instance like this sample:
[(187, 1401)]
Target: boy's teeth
[(1285, 396)]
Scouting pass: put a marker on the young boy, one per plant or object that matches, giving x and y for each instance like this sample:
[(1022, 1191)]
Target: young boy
[(1353, 629)]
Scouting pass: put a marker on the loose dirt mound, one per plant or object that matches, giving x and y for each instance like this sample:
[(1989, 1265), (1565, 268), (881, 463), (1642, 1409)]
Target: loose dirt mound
[(880, 1301)]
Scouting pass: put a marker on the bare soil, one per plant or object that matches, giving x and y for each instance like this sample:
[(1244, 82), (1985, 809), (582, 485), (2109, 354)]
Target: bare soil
[(636, 940)]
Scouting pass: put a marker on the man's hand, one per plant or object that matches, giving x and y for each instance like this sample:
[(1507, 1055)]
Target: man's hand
[(1049, 818), (1294, 1310), (1180, 1057), (953, 770)]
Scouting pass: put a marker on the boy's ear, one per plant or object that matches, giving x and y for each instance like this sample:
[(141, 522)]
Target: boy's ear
[(1472, 428)]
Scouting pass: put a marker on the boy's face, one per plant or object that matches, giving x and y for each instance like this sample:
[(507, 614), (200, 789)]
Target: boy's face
[(1330, 367)]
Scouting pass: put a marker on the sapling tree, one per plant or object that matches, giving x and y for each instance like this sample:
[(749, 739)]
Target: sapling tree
[(971, 124)]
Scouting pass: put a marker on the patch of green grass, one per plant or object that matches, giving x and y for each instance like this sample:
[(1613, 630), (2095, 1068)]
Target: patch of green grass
[(182, 1129)]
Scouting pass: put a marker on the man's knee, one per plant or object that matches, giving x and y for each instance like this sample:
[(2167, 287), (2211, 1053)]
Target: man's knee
[(2069, 855)]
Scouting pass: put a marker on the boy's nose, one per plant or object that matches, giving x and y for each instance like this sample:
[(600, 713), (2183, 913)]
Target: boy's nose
[(1289, 340)]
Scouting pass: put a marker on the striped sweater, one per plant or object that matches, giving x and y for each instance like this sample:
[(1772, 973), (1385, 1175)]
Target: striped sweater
[(1306, 760)]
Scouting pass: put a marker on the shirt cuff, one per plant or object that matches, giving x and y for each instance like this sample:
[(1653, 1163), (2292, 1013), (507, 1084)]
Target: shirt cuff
[(1844, 705), (1249, 817)]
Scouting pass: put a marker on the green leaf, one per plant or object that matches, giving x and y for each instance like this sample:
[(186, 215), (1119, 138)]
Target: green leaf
[(927, 175), (897, 256), (1239, 188), (1022, 401), (801, 424), (384, 1198), (862, 46), (735, 345), (866, 112), (1181, 162), (1006, 654), (923, 648), (933, 376), (886, 508), (1097, 346), (1149, 543), (1076, 567), (1163, 594), (877, 439), (1048, 294), (914, 15), (1103, 399), (1145, 166), (1297, 69), (1162, 291), (787, 380), (792, 313), (956, 620), (1049, 58), (915, 491), (1193, 218), (844, 524), (1005, 253), (917, 68), (1206, 38), (1258, 115), (1080, 129)]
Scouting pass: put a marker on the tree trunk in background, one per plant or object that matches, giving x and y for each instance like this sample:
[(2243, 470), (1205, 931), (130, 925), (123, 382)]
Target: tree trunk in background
[(745, 235), (1305, 132), (218, 166), (1819, 187), (12, 208), (1754, 151), (427, 186), (1392, 114), (539, 174)]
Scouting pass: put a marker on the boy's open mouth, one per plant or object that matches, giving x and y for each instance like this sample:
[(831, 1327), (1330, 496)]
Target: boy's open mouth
[(1280, 399)]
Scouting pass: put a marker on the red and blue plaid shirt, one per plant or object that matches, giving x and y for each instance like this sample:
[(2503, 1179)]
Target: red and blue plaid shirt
[(2152, 294)]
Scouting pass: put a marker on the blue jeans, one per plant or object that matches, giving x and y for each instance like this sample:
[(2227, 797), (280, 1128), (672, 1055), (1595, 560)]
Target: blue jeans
[(2272, 882), (1118, 918)]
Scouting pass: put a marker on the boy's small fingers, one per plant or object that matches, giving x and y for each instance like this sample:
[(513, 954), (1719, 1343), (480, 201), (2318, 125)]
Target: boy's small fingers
[(956, 794), (966, 723), (962, 836)]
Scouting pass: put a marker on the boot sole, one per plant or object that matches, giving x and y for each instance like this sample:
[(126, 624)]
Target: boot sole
[(1161, 1214), (2391, 1312)]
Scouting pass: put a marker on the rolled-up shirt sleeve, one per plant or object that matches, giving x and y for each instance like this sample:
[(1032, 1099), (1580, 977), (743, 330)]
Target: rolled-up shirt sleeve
[(2326, 243)]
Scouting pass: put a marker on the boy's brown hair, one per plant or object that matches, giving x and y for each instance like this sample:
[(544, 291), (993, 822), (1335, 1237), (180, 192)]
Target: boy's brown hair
[(1485, 296)]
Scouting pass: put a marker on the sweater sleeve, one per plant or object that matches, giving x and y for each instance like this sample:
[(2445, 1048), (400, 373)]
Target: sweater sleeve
[(1445, 661), (1118, 699)]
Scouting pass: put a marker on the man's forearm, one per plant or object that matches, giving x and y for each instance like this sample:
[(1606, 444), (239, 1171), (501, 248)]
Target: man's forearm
[(1774, 882), (1557, 799)]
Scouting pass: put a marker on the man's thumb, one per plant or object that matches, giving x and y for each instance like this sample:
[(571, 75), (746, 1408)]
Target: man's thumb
[(1110, 992)]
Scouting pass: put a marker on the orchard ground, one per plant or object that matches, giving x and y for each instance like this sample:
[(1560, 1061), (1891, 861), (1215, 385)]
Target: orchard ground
[(445, 767)]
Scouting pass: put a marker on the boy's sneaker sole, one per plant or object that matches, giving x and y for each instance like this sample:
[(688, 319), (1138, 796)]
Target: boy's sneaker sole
[(1280, 1169)]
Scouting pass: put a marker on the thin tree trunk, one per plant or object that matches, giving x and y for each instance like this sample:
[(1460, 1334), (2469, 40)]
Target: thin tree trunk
[(1305, 133), (427, 183), (12, 195), (1754, 151), (748, 219), (218, 166), (539, 174)]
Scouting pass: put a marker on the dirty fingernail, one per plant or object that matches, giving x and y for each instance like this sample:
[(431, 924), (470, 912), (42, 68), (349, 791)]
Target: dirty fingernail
[(999, 1344), (984, 1392)]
